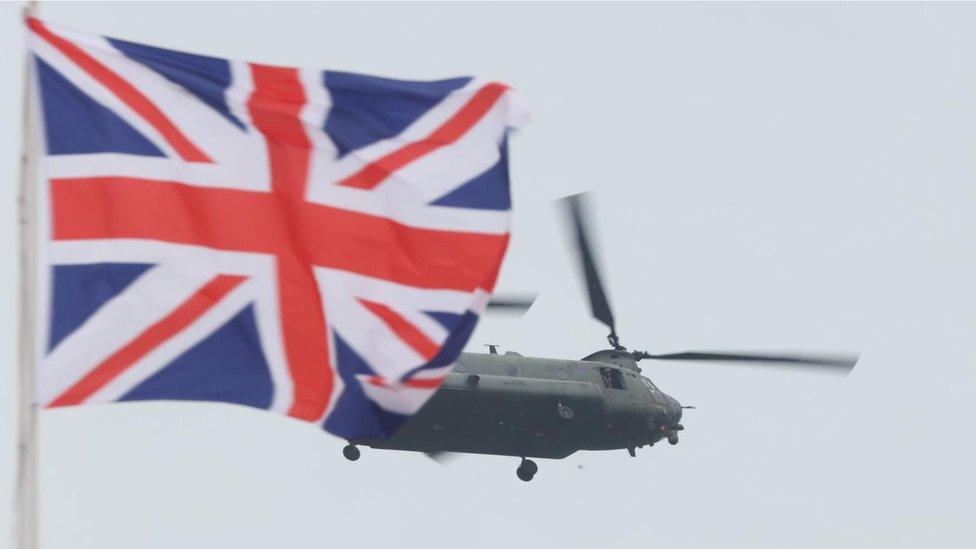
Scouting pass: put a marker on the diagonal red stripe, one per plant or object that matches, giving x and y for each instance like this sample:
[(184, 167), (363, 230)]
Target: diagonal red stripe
[(450, 131), (124, 91), (402, 327), (181, 317), (424, 383), (416, 383)]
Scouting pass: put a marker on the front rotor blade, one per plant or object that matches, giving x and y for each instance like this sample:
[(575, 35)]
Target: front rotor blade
[(511, 304), (839, 363), (598, 298)]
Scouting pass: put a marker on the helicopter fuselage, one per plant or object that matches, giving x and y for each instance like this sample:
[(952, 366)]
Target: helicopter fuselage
[(511, 405)]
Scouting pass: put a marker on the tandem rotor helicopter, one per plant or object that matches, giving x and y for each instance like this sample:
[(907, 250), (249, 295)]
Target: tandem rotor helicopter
[(512, 405)]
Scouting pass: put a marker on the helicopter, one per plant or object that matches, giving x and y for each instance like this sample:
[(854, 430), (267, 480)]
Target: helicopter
[(513, 405)]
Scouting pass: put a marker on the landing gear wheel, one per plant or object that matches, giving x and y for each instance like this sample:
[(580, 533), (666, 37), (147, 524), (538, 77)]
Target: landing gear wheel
[(351, 452), (527, 470), (672, 438)]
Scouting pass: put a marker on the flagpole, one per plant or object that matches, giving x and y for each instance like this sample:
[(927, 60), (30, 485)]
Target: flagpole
[(25, 506)]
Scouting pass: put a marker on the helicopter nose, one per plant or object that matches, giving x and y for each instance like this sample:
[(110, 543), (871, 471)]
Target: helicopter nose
[(674, 410)]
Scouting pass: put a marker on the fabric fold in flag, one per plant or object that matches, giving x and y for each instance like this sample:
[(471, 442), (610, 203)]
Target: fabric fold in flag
[(236, 232)]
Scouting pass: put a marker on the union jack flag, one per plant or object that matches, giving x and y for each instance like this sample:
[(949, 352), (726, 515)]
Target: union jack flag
[(317, 244)]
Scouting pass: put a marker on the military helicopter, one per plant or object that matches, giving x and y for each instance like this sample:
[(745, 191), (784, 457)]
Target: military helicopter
[(513, 405)]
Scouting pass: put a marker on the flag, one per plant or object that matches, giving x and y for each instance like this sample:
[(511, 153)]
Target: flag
[(318, 244)]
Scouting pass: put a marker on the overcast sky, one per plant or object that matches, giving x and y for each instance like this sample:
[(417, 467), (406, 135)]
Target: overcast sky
[(766, 176)]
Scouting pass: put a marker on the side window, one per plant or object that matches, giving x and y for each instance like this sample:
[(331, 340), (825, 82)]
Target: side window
[(612, 379)]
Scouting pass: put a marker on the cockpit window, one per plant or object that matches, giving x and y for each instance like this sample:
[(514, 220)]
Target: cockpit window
[(612, 378), (649, 385)]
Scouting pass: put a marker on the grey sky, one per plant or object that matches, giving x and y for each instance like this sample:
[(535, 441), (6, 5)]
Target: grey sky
[(767, 176)]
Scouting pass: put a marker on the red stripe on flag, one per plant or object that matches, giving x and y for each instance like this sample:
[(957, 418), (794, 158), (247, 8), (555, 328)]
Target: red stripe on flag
[(463, 120), (177, 320), (423, 383), (227, 219), (415, 383), (406, 331), (275, 106), (125, 92), (304, 330)]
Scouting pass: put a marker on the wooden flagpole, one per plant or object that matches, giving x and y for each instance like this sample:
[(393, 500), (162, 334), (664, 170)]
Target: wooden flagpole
[(25, 506)]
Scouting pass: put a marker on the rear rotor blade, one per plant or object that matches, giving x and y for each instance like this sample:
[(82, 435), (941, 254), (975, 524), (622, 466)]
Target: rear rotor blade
[(838, 363), (575, 209), (442, 458), (511, 304)]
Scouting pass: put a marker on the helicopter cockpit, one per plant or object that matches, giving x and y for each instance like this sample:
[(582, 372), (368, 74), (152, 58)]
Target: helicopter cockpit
[(612, 378), (650, 385)]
